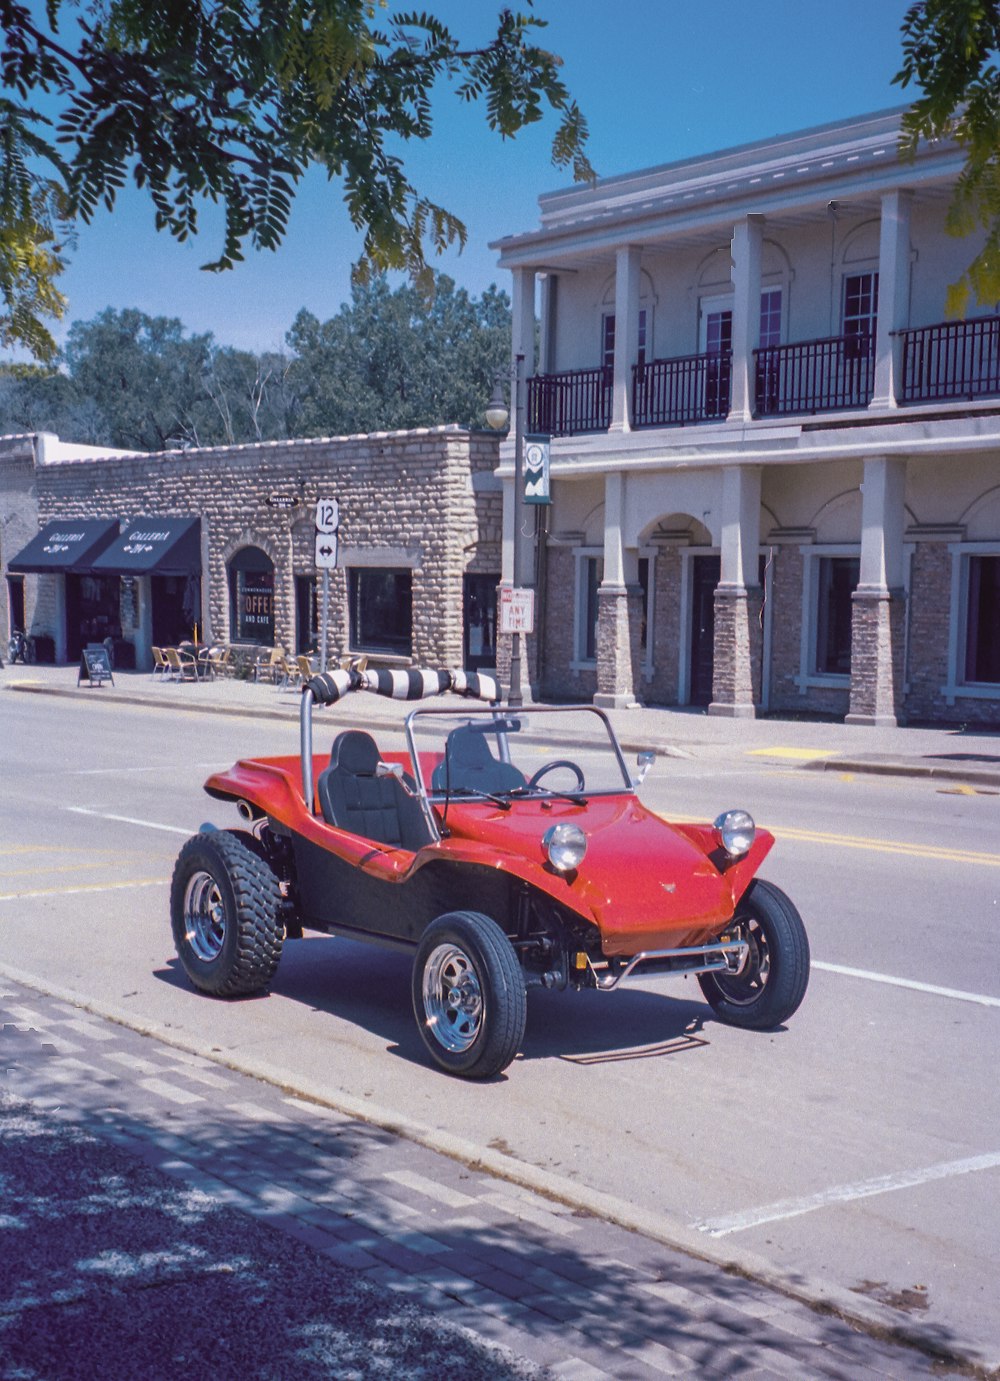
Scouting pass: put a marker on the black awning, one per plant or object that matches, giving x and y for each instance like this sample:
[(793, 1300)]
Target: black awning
[(68, 544), (154, 546)]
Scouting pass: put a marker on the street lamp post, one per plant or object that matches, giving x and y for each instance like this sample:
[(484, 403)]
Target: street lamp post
[(497, 415)]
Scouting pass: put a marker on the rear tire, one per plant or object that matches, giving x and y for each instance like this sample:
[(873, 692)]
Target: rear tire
[(468, 995), (225, 912), (774, 979)]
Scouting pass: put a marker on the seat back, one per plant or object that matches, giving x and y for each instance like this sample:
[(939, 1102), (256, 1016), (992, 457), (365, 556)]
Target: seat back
[(353, 798), (468, 763)]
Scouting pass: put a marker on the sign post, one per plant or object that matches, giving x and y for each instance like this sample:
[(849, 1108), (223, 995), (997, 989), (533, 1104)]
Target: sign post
[(327, 525)]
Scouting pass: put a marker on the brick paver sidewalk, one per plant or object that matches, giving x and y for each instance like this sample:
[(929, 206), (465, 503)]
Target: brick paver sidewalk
[(574, 1294)]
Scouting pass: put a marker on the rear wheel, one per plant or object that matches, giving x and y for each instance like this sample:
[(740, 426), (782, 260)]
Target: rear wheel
[(468, 995), (225, 911), (774, 977)]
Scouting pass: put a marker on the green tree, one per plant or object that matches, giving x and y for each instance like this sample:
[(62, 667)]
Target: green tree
[(950, 51), (145, 378), (389, 360), (231, 101)]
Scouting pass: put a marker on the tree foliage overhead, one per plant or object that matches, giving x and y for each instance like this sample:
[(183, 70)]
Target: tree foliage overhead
[(951, 50), (231, 101)]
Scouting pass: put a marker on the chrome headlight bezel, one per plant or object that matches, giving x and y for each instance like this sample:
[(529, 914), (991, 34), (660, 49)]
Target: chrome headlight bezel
[(736, 832), (565, 846)]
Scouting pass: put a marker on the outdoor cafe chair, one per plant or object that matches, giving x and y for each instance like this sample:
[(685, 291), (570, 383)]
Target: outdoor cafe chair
[(160, 663), (218, 661), (269, 663), (183, 665)]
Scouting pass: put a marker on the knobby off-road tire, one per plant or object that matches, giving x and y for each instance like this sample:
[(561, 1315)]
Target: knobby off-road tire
[(774, 979), (225, 911), (468, 995)]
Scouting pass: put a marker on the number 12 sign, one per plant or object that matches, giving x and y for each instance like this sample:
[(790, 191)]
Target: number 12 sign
[(327, 516)]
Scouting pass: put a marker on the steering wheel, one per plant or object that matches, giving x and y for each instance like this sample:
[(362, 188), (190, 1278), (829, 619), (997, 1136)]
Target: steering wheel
[(551, 767)]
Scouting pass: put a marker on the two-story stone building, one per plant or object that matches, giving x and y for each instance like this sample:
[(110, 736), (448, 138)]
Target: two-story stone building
[(775, 468)]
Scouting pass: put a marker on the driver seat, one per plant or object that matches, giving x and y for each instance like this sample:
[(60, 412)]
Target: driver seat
[(468, 763), (353, 798)]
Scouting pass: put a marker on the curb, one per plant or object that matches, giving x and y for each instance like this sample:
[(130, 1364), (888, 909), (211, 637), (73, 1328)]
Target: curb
[(897, 767), (821, 1296)]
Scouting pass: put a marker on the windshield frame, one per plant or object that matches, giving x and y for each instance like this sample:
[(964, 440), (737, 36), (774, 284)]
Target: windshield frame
[(502, 712)]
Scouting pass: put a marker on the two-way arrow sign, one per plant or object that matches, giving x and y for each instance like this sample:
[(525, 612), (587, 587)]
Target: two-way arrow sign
[(326, 551)]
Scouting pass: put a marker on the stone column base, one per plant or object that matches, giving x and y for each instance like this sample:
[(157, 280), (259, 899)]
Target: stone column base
[(738, 640), (619, 615), (877, 640)]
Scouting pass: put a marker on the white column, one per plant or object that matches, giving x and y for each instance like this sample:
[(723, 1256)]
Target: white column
[(507, 541), (893, 295), (626, 335), (748, 239), (523, 320), (740, 527), (882, 523), (547, 323), (614, 517)]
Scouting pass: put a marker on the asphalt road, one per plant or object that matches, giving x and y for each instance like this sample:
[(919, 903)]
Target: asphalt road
[(860, 1145)]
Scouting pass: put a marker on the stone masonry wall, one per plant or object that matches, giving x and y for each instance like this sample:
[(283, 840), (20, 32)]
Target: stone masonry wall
[(406, 499)]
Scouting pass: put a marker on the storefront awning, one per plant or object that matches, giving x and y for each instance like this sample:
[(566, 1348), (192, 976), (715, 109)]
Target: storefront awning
[(68, 544), (154, 546)]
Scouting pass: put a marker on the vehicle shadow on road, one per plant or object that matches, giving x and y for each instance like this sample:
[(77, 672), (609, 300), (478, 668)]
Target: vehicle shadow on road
[(371, 989)]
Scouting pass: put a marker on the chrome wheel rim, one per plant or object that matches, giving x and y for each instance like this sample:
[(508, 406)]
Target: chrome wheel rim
[(743, 989), (204, 917), (453, 998)]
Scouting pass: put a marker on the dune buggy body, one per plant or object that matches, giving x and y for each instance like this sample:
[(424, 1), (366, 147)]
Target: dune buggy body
[(503, 849)]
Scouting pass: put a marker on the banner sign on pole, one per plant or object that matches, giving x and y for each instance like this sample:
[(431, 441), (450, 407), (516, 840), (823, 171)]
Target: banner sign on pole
[(536, 469), (517, 610)]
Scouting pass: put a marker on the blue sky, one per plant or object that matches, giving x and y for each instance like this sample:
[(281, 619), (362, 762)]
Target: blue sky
[(657, 79)]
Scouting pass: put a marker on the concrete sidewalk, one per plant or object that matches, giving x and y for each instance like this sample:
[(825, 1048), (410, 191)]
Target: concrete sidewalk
[(953, 753)]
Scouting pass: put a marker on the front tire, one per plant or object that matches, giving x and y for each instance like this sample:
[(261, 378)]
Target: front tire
[(225, 912), (773, 981), (468, 995)]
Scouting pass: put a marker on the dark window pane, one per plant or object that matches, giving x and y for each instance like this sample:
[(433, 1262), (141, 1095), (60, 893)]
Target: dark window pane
[(644, 583), (380, 606), (594, 574), (251, 597), (838, 577), (982, 634)]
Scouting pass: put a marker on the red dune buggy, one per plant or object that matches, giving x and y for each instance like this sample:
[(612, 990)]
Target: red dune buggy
[(504, 850)]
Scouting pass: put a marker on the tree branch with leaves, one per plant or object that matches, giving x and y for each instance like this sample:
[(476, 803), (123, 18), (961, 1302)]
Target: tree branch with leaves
[(230, 102)]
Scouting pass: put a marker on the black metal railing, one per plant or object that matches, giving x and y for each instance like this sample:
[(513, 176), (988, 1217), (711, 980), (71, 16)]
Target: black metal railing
[(686, 389), (578, 400), (814, 375), (954, 359)]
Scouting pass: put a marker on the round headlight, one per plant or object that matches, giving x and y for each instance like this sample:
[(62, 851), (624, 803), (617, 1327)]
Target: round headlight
[(736, 831), (565, 846)]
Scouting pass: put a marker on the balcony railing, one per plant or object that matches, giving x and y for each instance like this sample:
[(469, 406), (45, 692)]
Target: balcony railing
[(814, 376), (676, 392), (569, 403), (956, 359)]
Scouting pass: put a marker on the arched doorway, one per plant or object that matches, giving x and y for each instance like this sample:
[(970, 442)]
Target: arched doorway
[(251, 597)]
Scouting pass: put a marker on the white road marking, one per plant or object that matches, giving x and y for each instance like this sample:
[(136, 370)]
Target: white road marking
[(128, 820), (980, 998), (845, 1193)]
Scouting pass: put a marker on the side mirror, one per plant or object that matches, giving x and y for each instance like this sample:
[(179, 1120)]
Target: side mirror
[(644, 762)]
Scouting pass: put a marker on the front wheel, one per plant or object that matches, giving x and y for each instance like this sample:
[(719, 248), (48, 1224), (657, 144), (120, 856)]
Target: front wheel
[(225, 911), (468, 995), (774, 977)]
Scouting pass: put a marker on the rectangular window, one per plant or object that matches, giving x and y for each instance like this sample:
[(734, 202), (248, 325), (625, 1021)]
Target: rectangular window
[(644, 583), (380, 606), (770, 317), (982, 629), (592, 573), (838, 578), (860, 307), (608, 339)]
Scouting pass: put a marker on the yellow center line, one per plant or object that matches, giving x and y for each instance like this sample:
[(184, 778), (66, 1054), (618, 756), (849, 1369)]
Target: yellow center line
[(856, 841), (84, 887)]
